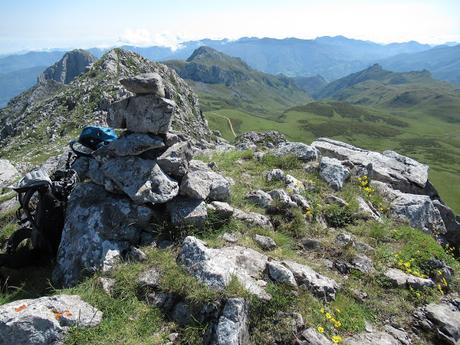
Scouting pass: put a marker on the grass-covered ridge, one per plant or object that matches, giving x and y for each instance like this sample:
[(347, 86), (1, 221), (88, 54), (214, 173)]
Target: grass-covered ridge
[(128, 319)]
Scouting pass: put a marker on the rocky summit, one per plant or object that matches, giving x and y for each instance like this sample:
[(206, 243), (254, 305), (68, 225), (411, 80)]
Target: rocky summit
[(172, 235)]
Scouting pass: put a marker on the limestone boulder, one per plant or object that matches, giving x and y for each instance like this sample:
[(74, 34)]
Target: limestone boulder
[(44, 320), (333, 172), (145, 83), (143, 114), (141, 179), (99, 228)]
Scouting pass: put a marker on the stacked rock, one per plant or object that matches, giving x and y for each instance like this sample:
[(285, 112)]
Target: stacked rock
[(151, 164), (148, 172)]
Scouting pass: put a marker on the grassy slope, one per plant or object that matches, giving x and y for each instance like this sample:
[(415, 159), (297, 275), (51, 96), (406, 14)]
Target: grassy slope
[(427, 138), (129, 320)]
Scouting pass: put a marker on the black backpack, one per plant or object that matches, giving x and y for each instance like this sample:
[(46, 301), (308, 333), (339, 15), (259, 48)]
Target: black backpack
[(41, 216)]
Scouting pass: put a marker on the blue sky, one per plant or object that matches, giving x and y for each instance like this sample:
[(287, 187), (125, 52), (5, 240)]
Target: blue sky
[(42, 24)]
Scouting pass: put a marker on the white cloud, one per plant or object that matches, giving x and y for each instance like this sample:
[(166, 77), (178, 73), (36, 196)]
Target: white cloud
[(144, 37)]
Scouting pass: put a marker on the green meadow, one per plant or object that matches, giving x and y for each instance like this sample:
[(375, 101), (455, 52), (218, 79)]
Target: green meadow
[(414, 133)]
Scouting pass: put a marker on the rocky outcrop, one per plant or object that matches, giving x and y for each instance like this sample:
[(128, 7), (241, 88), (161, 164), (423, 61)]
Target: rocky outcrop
[(403, 173), (301, 151), (44, 320), (72, 64), (399, 278), (441, 320), (7, 173), (233, 325), (99, 228), (333, 172), (216, 268)]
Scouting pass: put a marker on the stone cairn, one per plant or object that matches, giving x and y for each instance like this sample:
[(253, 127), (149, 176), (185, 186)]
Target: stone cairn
[(144, 177)]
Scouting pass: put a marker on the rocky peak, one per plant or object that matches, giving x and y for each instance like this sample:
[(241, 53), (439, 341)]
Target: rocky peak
[(57, 114), (72, 64)]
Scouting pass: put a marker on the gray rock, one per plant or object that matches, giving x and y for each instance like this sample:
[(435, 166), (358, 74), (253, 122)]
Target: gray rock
[(309, 279), (216, 267), (146, 83), (150, 278), (187, 212), (142, 114), (419, 211), (131, 145), (107, 284), (281, 274), (332, 199), (142, 180), (301, 151), (398, 334), (259, 198), (293, 185), (442, 319), (7, 173), (367, 211), (134, 254), (362, 263), (44, 320), (253, 219), (205, 185), (372, 338), (275, 175), (344, 240), (222, 209), (399, 278), (312, 337), (333, 172), (231, 237), (310, 243), (452, 224), (300, 201), (174, 161), (401, 172), (8, 205), (282, 198), (265, 242), (98, 227), (233, 328), (264, 139)]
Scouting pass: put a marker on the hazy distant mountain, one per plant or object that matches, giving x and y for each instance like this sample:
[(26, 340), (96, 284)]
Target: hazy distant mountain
[(17, 62), (375, 86), (224, 81), (443, 62), (13, 83)]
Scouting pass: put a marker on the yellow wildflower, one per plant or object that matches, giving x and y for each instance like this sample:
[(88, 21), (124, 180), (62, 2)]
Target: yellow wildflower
[(320, 329), (328, 316), (336, 339), (337, 324), (322, 310)]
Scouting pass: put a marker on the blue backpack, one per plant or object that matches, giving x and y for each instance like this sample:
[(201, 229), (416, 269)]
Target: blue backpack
[(94, 137)]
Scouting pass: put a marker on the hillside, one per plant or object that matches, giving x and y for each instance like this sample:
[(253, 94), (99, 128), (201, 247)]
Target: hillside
[(224, 82)]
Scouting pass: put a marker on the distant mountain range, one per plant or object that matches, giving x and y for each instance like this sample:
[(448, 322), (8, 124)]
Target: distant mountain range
[(223, 81), (329, 57)]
